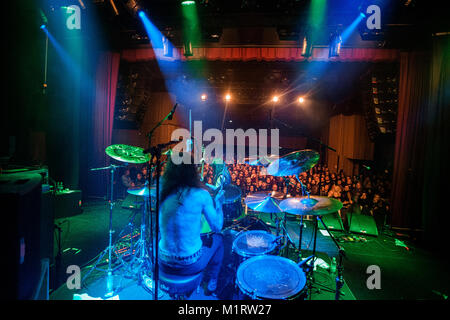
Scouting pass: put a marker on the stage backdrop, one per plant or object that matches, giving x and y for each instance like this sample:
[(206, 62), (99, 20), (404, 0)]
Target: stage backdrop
[(349, 136)]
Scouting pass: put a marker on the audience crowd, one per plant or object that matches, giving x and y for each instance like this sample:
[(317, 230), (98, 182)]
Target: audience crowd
[(366, 193)]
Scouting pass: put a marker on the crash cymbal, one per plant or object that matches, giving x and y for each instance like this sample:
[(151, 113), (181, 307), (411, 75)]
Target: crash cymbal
[(267, 202), (312, 206), (126, 153), (293, 163), (142, 191), (261, 161)]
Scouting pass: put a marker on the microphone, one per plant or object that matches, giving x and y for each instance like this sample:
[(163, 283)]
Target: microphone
[(172, 111)]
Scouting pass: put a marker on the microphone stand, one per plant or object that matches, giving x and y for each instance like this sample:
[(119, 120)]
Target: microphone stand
[(156, 153)]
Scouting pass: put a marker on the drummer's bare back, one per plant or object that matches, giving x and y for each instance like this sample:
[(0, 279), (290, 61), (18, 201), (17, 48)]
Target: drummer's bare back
[(195, 202)]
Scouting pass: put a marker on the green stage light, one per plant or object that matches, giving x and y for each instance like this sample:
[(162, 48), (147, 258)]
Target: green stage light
[(187, 3)]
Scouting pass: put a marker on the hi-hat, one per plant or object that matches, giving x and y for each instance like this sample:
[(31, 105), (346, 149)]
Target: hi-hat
[(310, 206), (293, 163), (126, 153), (267, 202)]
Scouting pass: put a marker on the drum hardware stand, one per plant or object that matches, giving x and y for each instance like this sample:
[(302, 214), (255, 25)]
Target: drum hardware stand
[(141, 252), (339, 279), (109, 249), (340, 268), (302, 225)]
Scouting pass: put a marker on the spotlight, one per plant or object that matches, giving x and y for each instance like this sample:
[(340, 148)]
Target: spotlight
[(188, 48), (204, 97), (187, 3), (335, 45), (307, 45), (301, 99), (42, 27), (141, 13), (275, 99), (167, 47), (228, 97)]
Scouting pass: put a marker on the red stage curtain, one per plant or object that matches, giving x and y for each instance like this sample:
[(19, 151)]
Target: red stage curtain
[(103, 113), (267, 54), (409, 144), (437, 148)]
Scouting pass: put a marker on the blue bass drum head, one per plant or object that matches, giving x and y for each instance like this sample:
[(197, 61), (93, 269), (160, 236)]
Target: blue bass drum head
[(270, 277)]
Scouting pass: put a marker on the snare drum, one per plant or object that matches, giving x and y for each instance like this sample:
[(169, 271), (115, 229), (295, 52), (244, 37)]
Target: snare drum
[(254, 243), (270, 277), (232, 204)]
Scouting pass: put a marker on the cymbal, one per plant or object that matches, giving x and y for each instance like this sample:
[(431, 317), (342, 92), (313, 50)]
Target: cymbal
[(312, 206), (265, 201), (261, 161), (126, 153), (142, 191), (293, 163)]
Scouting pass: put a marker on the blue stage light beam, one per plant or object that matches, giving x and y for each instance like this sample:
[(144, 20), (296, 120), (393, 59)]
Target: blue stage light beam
[(66, 59), (352, 27), (186, 86)]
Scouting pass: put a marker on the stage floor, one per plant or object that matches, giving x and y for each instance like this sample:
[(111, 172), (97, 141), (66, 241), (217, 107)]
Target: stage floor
[(406, 273)]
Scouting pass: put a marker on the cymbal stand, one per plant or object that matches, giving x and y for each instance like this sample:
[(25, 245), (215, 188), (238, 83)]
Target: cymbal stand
[(281, 224), (340, 267), (302, 225), (109, 249)]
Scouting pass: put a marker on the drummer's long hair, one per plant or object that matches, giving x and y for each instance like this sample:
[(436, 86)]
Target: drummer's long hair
[(178, 176)]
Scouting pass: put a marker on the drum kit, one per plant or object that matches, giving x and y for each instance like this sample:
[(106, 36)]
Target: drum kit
[(261, 272)]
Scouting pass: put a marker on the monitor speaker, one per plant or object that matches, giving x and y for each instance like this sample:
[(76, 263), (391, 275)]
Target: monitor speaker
[(362, 224), (332, 221)]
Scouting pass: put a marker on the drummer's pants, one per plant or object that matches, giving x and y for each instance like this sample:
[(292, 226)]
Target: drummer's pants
[(212, 256)]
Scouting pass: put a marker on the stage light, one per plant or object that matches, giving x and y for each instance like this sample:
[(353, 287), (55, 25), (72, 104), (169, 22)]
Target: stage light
[(187, 3), (167, 47), (42, 27), (227, 97), (301, 99), (307, 45), (335, 45), (275, 99), (141, 14), (188, 48), (204, 97)]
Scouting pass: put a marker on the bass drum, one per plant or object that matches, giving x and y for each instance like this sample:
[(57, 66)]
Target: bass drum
[(232, 205), (270, 277)]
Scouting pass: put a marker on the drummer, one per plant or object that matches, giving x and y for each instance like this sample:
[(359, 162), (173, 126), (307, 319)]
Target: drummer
[(183, 201)]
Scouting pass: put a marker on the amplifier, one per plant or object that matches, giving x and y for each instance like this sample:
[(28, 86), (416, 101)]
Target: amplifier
[(67, 203)]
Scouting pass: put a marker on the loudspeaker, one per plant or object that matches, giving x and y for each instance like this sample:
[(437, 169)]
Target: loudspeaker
[(362, 224), (20, 196), (332, 221)]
